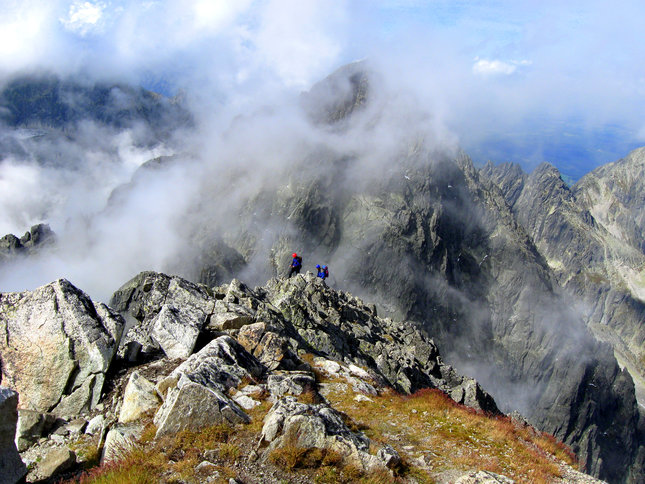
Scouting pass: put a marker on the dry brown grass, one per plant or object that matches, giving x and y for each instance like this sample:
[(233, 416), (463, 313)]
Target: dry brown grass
[(431, 432), (452, 436), (137, 467), (178, 455)]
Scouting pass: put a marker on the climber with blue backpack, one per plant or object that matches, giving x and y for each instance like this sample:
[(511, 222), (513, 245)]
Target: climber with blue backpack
[(323, 272), (296, 264)]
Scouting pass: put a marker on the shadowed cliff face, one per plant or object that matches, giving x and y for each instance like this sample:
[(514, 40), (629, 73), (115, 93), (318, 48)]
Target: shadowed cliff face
[(588, 235), (591, 261)]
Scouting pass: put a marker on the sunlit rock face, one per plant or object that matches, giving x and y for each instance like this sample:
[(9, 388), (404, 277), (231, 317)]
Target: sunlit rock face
[(56, 346)]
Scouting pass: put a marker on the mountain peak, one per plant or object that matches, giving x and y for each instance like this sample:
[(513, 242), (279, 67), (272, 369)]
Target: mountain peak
[(341, 94)]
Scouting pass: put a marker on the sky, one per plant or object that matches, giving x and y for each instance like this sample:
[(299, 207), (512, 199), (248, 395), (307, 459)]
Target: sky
[(562, 82)]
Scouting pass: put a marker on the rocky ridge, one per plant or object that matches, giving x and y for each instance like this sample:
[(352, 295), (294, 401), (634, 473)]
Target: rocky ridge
[(271, 339)]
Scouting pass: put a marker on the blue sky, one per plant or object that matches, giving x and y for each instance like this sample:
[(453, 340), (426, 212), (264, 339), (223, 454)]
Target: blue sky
[(532, 81)]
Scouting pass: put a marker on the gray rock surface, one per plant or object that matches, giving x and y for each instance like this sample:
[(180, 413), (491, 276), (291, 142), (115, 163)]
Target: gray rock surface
[(139, 397), (195, 392), (389, 456), (221, 364), (38, 237), (119, 439), (483, 477), (163, 311), (12, 469), (290, 423), (55, 462), (95, 425), (281, 383), (56, 346), (592, 263), (425, 235), (193, 406), (32, 425), (339, 326)]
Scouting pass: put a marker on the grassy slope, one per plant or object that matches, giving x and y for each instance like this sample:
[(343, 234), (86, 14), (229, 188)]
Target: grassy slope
[(436, 438)]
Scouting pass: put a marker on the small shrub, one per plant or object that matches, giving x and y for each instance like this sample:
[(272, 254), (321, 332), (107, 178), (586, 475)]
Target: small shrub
[(377, 476), (229, 452), (309, 397), (148, 433), (353, 472), (332, 458), (287, 457), (327, 475), (291, 457), (186, 467), (136, 467)]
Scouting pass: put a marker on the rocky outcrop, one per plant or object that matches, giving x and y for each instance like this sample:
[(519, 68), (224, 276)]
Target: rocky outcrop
[(196, 391), (309, 317), (55, 462), (220, 365), (589, 256), (288, 317), (39, 236), (341, 94), (32, 426), (119, 439), (509, 177), (56, 346), (12, 469), (612, 286), (314, 329), (294, 383), (483, 477), (588, 261), (314, 426), (614, 195), (163, 312), (193, 406)]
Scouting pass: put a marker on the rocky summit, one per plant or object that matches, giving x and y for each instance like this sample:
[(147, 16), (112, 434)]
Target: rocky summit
[(179, 357)]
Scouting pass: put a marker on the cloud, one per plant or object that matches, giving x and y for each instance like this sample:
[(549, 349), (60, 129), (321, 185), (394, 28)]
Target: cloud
[(300, 40), (640, 136), (25, 30), (83, 17), (485, 67)]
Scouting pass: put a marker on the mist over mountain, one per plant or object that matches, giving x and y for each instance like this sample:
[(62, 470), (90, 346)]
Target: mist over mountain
[(498, 266)]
